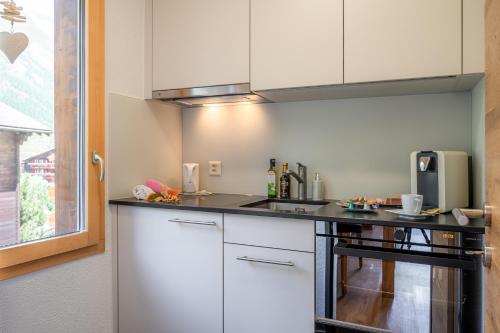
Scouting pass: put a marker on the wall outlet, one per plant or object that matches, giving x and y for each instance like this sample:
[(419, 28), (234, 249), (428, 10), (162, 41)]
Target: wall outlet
[(215, 168)]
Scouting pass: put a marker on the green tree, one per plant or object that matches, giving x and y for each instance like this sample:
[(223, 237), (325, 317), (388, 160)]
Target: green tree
[(35, 207)]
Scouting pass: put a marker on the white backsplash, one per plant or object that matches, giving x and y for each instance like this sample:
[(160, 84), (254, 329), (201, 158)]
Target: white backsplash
[(144, 142), (359, 146)]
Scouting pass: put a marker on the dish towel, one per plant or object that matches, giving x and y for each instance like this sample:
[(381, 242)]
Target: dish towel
[(155, 185), (141, 191)]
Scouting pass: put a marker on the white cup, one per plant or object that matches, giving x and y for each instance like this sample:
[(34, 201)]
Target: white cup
[(412, 203)]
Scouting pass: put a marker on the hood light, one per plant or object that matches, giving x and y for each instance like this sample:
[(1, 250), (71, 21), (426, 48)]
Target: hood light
[(226, 104)]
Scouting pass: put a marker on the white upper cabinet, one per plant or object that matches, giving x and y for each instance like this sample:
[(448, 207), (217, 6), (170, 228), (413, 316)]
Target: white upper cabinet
[(402, 39), (200, 43), (474, 51), (296, 43)]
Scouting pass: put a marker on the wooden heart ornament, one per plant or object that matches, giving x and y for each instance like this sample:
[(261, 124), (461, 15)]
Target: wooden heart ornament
[(13, 44)]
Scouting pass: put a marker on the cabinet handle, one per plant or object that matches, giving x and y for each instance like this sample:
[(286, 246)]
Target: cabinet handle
[(193, 222), (265, 261)]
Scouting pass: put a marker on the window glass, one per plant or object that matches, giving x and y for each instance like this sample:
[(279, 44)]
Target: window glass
[(40, 119)]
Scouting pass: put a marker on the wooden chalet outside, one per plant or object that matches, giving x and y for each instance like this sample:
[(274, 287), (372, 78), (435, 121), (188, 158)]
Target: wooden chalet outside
[(15, 128)]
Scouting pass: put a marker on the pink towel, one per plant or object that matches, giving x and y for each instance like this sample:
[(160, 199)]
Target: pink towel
[(155, 185)]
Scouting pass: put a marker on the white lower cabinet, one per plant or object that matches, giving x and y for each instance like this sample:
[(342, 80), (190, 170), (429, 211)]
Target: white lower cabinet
[(169, 271), (175, 274), (268, 290)]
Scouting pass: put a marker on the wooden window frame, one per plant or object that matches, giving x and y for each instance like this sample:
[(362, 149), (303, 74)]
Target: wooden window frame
[(24, 258)]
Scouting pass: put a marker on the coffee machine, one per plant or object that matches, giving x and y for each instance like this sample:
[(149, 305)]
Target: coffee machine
[(442, 177)]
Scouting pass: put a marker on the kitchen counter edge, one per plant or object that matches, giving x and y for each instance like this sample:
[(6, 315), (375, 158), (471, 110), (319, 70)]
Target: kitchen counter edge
[(230, 204)]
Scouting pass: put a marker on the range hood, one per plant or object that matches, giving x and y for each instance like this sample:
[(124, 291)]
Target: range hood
[(213, 95), (241, 93)]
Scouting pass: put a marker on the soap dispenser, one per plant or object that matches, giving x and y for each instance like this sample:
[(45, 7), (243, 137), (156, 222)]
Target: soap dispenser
[(317, 188)]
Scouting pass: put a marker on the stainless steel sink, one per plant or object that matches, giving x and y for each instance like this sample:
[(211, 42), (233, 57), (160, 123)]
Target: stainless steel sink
[(288, 206)]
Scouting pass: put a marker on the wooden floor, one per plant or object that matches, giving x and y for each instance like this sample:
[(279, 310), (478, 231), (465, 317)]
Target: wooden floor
[(407, 312)]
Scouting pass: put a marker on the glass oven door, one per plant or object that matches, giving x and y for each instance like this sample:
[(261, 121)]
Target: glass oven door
[(386, 279)]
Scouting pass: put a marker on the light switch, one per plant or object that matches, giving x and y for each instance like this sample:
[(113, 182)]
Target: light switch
[(215, 168)]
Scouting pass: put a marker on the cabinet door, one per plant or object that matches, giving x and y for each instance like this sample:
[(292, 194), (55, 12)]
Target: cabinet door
[(473, 22), (402, 39), (268, 297), (200, 43), (169, 273), (296, 43)]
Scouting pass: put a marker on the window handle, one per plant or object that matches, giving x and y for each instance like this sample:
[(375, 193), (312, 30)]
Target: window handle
[(96, 158)]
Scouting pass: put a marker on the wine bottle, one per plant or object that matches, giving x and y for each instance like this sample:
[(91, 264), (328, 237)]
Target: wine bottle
[(285, 183)]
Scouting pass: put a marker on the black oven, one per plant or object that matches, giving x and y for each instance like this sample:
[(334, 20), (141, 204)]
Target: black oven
[(403, 280)]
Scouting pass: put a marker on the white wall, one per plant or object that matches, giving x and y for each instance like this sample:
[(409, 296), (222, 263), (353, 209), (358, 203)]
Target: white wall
[(359, 146), (144, 142), (74, 297), (478, 166)]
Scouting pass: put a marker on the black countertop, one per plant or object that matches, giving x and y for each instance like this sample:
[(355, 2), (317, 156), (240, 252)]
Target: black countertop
[(231, 203)]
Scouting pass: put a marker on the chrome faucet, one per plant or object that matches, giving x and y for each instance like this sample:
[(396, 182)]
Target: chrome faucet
[(301, 177)]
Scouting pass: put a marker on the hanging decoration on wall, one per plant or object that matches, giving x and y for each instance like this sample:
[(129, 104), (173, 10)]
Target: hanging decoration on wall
[(12, 44)]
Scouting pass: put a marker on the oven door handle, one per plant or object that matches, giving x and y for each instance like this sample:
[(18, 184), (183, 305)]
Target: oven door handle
[(467, 262), (349, 326)]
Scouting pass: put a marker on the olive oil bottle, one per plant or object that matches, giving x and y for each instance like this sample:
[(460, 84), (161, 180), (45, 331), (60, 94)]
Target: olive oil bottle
[(285, 183), (272, 180)]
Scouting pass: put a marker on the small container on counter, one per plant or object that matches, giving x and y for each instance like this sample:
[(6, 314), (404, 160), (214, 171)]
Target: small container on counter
[(317, 188)]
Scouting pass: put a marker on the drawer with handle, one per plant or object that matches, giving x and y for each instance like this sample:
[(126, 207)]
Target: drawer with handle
[(194, 218), (268, 290), (175, 217), (279, 233)]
